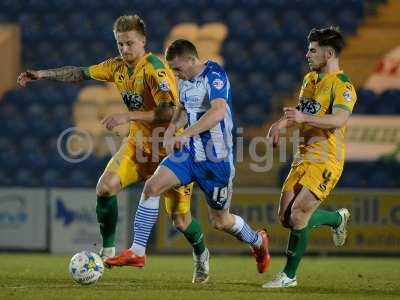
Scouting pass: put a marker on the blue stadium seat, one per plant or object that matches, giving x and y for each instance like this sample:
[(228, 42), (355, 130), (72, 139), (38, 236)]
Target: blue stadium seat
[(35, 111), (55, 161), (26, 177), (6, 179), (4, 17), (10, 160), (380, 178), (79, 178), (383, 109), (269, 64), (226, 5), (271, 33), (6, 144), (278, 5), (7, 109), (285, 83), (97, 52), (241, 62), (15, 127), (155, 47), (36, 160), (264, 18), (291, 18), (283, 172), (210, 16), (61, 112), (252, 116), (367, 101), (184, 16), (391, 99), (261, 48), (329, 5), (352, 176), (51, 178), (89, 5), (67, 5), (347, 21), (11, 7), (237, 17), (319, 18), (29, 144)]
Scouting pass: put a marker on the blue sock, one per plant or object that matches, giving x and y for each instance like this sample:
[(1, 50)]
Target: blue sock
[(145, 218), (243, 232)]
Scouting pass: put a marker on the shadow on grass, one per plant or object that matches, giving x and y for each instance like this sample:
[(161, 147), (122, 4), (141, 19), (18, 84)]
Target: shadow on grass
[(169, 285), (238, 287)]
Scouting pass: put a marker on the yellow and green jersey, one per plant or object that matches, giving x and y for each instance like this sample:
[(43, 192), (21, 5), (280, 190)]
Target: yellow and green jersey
[(150, 84), (321, 95)]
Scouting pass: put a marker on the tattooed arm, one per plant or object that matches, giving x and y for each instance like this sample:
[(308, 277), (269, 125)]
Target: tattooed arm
[(65, 74)]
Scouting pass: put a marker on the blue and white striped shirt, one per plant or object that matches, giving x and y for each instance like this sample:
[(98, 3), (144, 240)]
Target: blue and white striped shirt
[(196, 96)]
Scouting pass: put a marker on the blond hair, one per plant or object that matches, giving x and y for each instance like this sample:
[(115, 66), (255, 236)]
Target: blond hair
[(128, 23)]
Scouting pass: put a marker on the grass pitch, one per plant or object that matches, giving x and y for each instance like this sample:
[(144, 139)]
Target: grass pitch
[(40, 276)]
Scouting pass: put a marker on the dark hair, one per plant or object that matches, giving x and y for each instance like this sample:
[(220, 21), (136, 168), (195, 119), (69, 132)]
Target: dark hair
[(329, 36), (128, 23), (180, 47)]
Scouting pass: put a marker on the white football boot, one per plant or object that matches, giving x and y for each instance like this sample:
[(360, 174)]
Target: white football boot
[(340, 232), (280, 280), (201, 267), (106, 253)]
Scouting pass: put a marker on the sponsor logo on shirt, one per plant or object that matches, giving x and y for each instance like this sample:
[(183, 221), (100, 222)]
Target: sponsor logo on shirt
[(347, 95), (309, 106), (132, 100), (161, 74), (218, 83), (164, 86)]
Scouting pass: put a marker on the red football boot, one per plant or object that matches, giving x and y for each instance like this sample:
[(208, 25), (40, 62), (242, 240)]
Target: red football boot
[(262, 253), (127, 258)]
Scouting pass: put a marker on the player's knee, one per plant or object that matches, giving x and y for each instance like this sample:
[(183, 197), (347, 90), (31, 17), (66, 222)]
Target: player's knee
[(104, 189), (219, 224), (107, 186), (297, 218), (151, 188), (180, 221)]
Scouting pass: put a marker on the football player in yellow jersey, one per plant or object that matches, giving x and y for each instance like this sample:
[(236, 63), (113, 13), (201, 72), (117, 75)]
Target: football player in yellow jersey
[(326, 101), (149, 90)]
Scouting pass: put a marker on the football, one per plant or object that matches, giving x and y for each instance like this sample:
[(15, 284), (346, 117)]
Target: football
[(86, 267)]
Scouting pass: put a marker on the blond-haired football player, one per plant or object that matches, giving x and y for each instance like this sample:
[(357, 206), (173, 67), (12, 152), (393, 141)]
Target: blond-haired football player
[(326, 101), (149, 89)]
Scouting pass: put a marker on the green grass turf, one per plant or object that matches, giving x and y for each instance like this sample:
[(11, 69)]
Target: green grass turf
[(45, 277)]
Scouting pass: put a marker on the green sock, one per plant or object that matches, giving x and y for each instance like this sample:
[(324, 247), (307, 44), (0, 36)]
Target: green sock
[(107, 216), (298, 240), (194, 235), (324, 217)]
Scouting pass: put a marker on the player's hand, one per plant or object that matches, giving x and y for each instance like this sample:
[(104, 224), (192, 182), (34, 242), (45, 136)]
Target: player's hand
[(113, 120), (274, 134), (175, 143), (294, 115), (168, 135), (27, 76)]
